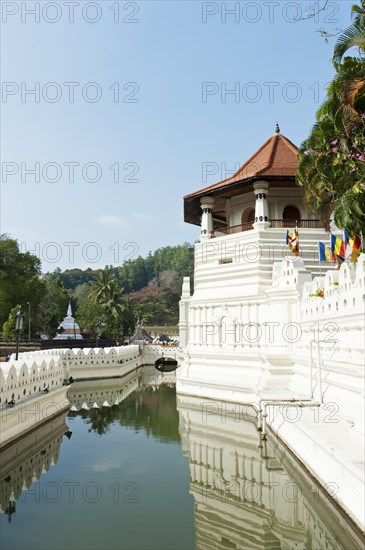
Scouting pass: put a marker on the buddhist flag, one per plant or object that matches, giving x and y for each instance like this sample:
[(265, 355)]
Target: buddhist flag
[(292, 240), (338, 246), (352, 246), (325, 254), (354, 241)]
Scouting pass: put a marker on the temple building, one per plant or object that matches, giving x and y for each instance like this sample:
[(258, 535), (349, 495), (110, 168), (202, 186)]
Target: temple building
[(252, 294), (68, 329), (266, 323), (261, 195)]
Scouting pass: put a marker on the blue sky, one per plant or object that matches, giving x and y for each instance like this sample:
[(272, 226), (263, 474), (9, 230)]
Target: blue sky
[(161, 130)]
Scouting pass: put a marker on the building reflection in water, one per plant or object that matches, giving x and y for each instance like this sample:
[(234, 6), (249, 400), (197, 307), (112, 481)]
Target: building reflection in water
[(24, 462), (250, 496)]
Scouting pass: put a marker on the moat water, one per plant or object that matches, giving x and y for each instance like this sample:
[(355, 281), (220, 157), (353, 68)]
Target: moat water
[(134, 466)]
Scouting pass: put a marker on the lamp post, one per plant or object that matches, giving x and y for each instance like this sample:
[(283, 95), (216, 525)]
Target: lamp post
[(97, 332), (19, 317), (28, 320)]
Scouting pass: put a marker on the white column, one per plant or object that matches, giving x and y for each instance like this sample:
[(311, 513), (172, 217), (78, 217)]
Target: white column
[(184, 312), (261, 210), (206, 204)]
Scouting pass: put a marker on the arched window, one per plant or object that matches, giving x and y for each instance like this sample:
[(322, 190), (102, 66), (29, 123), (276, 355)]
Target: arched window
[(291, 213), (248, 215)]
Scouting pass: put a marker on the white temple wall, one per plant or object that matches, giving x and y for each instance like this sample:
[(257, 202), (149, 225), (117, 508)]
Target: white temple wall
[(237, 205), (248, 329), (278, 197)]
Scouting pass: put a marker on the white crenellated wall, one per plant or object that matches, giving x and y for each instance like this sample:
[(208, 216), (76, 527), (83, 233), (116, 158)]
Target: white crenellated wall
[(264, 337), (90, 363), (29, 376)]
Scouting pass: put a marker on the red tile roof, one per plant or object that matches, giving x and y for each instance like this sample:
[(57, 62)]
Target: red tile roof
[(276, 157), (275, 161)]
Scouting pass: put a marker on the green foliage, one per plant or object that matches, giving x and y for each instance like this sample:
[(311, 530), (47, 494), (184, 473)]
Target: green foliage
[(91, 317), (53, 306), (116, 307), (106, 301), (19, 278), (331, 165), (71, 278), (9, 325), (353, 36), (136, 274)]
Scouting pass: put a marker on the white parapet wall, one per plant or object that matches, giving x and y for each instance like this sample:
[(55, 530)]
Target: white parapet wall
[(31, 393), (90, 363)]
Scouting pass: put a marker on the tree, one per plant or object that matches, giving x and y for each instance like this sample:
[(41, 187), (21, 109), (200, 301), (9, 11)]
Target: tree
[(110, 296), (19, 278), (9, 325), (91, 317), (148, 303), (352, 36), (53, 307), (331, 165)]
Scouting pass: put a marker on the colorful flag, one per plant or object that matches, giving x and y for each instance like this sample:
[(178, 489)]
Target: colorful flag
[(325, 254), (354, 241), (338, 246), (292, 240), (353, 245)]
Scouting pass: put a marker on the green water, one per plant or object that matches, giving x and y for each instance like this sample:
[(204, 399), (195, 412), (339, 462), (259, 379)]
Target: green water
[(152, 472)]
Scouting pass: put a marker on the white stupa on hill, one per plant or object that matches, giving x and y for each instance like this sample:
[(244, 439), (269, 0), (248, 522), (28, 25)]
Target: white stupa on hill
[(70, 330)]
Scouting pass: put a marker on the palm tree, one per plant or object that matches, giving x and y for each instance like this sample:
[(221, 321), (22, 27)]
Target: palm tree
[(332, 160), (110, 296), (353, 36)]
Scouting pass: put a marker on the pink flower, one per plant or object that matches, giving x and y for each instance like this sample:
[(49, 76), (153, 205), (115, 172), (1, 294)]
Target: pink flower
[(310, 151), (335, 150), (334, 142)]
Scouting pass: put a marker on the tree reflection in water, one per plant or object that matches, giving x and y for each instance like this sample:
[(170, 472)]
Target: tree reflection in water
[(152, 409)]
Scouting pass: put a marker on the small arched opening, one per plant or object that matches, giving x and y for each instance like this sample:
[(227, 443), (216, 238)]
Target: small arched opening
[(248, 218), (291, 215)]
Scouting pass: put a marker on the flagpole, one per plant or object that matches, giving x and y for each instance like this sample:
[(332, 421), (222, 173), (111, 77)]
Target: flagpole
[(334, 265)]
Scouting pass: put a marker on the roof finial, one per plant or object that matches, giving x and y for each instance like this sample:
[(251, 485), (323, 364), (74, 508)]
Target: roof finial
[(277, 128)]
